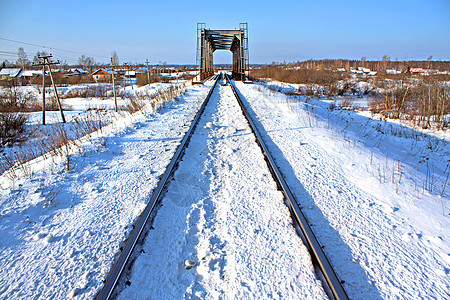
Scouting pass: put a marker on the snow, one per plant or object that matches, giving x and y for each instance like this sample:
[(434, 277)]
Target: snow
[(383, 232), (223, 230), (359, 102), (371, 190), (61, 231), (87, 111)]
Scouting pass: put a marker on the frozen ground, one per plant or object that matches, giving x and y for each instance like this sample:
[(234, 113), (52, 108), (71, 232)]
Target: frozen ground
[(61, 231), (223, 213), (363, 186)]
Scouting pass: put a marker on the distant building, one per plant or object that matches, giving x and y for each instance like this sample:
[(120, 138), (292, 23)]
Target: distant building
[(77, 71), (130, 74), (416, 70), (30, 74), (142, 70), (365, 70), (102, 75), (392, 72), (356, 71), (7, 73)]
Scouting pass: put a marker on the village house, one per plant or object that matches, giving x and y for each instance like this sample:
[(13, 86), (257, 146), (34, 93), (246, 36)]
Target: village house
[(130, 74), (416, 70), (102, 75), (29, 75), (7, 73), (142, 70), (392, 72), (365, 70), (77, 71)]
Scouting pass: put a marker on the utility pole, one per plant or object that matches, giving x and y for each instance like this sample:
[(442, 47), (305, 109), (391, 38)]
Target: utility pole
[(148, 74), (129, 74), (46, 62), (43, 94), (125, 75), (114, 84)]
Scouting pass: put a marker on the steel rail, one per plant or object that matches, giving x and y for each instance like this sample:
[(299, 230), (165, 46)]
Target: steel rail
[(313, 245), (124, 257)]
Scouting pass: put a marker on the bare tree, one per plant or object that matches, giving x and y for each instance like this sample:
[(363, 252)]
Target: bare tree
[(82, 61), (36, 58), (363, 61), (23, 59), (86, 61), (385, 62), (90, 62), (115, 58)]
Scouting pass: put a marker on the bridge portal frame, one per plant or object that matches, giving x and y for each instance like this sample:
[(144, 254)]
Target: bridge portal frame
[(234, 40)]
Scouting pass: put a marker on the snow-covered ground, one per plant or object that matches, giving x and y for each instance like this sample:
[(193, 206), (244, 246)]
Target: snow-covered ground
[(223, 213), (370, 189), (82, 114), (363, 186), (358, 100), (61, 231)]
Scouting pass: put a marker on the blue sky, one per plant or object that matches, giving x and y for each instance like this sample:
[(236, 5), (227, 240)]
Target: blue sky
[(279, 31)]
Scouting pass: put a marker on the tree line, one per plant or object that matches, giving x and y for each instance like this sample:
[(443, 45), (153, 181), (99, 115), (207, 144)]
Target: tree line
[(85, 62), (375, 65)]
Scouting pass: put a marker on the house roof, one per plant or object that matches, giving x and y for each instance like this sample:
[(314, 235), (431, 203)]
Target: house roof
[(416, 70), (78, 71), (104, 72), (30, 73), (10, 72), (142, 69)]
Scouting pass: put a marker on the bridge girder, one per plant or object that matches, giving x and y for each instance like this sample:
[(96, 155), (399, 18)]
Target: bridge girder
[(234, 40)]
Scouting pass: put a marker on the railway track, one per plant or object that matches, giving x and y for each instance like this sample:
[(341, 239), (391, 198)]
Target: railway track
[(323, 268), (325, 271)]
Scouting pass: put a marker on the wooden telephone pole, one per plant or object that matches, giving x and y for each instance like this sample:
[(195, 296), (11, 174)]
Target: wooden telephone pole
[(46, 62), (114, 84), (148, 74)]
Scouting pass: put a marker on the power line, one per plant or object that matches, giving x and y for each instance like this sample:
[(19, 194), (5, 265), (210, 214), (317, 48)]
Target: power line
[(8, 52), (52, 48), (15, 55), (9, 55), (130, 59)]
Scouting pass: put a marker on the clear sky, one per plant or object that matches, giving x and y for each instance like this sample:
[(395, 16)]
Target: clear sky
[(279, 31)]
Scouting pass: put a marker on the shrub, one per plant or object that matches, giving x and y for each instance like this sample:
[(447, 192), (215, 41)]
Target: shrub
[(305, 76), (135, 104), (14, 100), (422, 103), (12, 128)]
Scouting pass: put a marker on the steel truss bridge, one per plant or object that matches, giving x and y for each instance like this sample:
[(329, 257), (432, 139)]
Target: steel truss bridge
[(235, 40)]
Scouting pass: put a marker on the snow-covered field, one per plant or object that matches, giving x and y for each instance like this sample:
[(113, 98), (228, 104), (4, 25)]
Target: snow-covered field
[(376, 194), (83, 115), (358, 101)]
